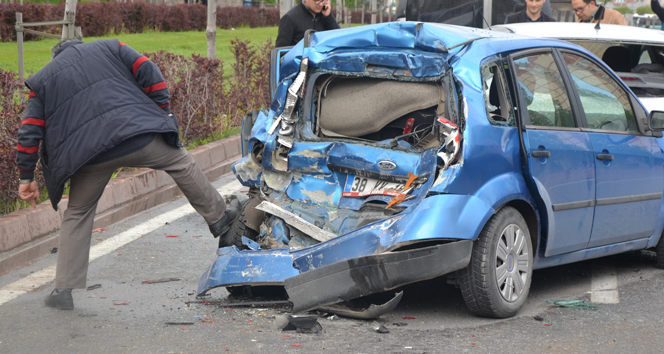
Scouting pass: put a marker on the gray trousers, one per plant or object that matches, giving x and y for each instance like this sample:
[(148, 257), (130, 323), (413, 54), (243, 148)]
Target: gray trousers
[(87, 186)]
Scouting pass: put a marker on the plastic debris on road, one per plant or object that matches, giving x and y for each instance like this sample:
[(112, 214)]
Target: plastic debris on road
[(99, 230), (298, 323), (163, 280), (379, 327), (92, 287), (573, 304), (121, 302)]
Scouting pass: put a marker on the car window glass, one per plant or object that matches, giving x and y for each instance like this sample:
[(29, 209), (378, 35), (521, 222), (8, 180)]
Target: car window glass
[(543, 91), (645, 58), (497, 108), (604, 101)]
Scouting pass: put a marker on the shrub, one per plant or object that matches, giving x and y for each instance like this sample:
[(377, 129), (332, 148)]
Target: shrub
[(122, 17), (13, 101)]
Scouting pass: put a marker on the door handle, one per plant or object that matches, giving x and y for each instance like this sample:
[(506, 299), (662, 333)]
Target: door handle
[(605, 157), (539, 153)]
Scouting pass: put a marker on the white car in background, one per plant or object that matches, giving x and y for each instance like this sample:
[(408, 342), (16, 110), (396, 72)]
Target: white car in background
[(635, 54)]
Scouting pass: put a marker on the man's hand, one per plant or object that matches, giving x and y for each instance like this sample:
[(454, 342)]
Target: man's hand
[(327, 9), (29, 193)]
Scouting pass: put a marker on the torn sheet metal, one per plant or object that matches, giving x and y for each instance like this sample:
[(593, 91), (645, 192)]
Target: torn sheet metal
[(368, 275), (373, 311), (296, 221)]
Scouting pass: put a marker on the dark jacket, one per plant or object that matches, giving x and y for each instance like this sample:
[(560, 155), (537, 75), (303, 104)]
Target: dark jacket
[(297, 21), (521, 16), (657, 9), (90, 98)]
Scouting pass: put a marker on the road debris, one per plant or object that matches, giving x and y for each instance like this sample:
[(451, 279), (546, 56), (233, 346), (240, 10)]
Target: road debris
[(373, 311), (163, 280), (333, 318), (99, 230), (399, 324), (180, 323), (573, 304), (538, 318), (92, 287), (53, 250), (379, 327), (172, 236), (239, 304), (409, 318), (298, 323), (121, 302)]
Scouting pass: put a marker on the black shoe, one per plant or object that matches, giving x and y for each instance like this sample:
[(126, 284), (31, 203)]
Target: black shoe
[(60, 299), (224, 224)]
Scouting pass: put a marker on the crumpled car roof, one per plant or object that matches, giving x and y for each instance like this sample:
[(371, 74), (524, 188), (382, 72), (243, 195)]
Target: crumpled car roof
[(422, 48)]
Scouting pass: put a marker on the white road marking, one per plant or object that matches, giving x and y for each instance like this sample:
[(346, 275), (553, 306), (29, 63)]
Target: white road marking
[(45, 275), (604, 285)]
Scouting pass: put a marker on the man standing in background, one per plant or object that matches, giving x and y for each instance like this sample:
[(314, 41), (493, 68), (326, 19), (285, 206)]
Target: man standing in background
[(309, 14), (532, 13)]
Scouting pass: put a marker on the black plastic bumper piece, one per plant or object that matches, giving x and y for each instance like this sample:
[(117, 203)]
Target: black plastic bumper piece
[(368, 275)]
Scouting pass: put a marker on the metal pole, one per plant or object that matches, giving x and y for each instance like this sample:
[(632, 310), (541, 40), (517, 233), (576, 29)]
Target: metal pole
[(70, 14), (211, 32), (19, 40)]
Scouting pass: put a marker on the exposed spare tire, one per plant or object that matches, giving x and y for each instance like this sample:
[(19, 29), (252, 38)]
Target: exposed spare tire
[(247, 224)]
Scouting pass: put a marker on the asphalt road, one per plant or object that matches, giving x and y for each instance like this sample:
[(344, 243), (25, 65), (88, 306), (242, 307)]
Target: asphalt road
[(126, 316)]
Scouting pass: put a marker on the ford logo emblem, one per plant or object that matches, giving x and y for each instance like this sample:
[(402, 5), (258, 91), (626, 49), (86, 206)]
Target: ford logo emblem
[(386, 165)]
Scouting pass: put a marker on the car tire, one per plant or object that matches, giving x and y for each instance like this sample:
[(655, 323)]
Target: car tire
[(237, 230), (659, 249), (488, 283)]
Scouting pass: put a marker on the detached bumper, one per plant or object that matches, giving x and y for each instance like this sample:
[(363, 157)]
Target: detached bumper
[(367, 275)]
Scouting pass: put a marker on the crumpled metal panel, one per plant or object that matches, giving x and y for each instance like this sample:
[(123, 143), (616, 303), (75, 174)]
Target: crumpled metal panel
[(439, 217), (264, 267)]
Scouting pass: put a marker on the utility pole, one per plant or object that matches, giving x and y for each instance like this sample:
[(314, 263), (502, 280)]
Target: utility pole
[(211, 32), (70, 14)]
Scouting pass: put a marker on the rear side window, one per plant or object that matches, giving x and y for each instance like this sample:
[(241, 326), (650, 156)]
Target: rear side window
[(605, 103), (544, 92)]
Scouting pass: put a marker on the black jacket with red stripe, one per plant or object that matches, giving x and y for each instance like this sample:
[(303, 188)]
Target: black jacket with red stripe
[(90, 98)]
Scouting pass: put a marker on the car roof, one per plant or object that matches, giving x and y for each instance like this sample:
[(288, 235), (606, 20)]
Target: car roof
[(585, 31)]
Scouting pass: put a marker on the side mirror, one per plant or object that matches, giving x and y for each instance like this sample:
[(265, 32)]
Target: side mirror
[(657, 121)]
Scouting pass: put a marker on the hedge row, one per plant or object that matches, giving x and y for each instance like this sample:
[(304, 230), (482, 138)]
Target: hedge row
[(113, 18), (203, 102)]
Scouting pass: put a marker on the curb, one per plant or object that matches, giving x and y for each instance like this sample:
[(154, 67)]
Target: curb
[(28, 234)]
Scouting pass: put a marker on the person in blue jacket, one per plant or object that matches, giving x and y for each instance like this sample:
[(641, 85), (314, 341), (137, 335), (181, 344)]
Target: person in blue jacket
[(94, 108)]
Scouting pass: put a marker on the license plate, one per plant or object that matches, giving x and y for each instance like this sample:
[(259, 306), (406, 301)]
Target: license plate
[(357, 186)]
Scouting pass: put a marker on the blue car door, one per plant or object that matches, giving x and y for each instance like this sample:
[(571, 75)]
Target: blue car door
[(560, 155), (628, 164)]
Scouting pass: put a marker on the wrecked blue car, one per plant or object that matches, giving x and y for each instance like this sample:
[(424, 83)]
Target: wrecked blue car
[(401, 152)]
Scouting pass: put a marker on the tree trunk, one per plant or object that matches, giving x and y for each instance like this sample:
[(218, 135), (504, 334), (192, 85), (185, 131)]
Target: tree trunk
[(211, 32), (373, 12)]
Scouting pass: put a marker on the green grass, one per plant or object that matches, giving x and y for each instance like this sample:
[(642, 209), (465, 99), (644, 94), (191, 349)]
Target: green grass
[(38, 53)]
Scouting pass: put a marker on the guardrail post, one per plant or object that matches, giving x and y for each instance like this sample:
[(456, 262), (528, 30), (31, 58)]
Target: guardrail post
[(19, 41)]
